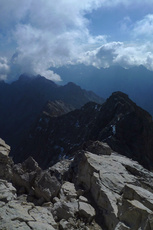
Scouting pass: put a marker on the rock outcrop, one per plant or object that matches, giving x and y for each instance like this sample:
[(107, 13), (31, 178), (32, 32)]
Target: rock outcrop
[(35, 199), (120, 187), (5, 161), (97, 190)]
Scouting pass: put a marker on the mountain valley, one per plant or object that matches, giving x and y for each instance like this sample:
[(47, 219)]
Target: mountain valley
[(78, 162)]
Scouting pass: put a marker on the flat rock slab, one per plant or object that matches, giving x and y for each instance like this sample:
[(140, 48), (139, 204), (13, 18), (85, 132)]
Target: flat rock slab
[(115, 181), (22, 215), (40, 226), (86, 211)]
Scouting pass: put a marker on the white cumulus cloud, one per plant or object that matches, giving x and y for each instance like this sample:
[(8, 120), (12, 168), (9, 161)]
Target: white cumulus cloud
[(118, 53), (48, 33), (4, 68), (144, 27)]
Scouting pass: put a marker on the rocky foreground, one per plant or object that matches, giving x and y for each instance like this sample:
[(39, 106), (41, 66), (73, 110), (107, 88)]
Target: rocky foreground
[(97, 190)]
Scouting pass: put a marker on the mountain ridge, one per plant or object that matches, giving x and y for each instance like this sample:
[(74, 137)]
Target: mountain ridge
[(22, 101), (136, 81), (127, 128)]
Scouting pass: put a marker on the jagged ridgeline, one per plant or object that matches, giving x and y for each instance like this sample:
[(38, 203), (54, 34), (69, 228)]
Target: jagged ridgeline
[(72, 166), (127, 128), (22, 101)]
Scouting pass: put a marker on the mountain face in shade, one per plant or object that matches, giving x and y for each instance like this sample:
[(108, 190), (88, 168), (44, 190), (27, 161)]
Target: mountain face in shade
[(127, 128), (22, 102), (137, 81)]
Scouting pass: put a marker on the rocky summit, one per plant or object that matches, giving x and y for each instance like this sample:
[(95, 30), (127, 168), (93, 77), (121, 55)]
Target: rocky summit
[(98, 189), (119, 122)]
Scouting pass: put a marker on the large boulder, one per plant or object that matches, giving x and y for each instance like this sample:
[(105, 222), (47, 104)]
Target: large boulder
[(68, 191), (60, 169), (7, 191), (118, 185), (5, 161), (86, 211), (46, 186), (34, 180), (97, 147)]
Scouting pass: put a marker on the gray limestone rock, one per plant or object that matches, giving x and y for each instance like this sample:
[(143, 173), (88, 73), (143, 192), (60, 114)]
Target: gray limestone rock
[(42, 215), (97, 147), (7, 191), (83, 199), (64, 225), (4, 149), (38, 183), (39, 226), (46, 186), (5, 161), (117, 184), (68, 190), (121, 192), (86, 211), (64, 209), (23, 215), (60, 169), (30, 165), (12, 225)]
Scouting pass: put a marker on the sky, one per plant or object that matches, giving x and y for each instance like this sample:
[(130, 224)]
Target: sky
[(38, 34)]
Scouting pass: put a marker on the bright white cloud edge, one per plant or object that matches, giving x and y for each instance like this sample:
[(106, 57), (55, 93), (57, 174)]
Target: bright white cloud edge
[(49, 34)]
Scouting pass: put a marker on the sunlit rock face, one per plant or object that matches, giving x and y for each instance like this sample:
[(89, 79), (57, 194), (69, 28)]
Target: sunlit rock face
[(121, 189), (97, 190), (5, 161), (127, 128)]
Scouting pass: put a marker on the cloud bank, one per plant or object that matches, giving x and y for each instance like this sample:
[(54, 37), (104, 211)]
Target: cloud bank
[(53, 33), (118, 53)]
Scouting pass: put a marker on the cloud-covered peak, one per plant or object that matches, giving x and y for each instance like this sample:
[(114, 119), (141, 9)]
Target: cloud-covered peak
[(39, 34)]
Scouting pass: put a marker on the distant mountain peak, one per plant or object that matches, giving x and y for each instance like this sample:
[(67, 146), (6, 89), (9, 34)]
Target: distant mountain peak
[(136, 81), (127, 128), (23, 100), (25, 76)]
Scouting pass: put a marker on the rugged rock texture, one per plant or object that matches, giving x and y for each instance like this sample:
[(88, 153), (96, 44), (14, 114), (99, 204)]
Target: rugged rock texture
[(97, 190), (35, 199), (56, 136), (38, 183), (120, 187), (127, 128), (24, 215), (57, 108), (5, 161)]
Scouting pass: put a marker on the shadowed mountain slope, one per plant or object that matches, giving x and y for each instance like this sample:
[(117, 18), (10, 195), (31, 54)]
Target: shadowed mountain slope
[(127, 128), (136, 81), (22, 102)]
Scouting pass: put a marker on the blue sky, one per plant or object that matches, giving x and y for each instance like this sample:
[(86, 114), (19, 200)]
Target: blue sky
[(38, 34), (111, 20)]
